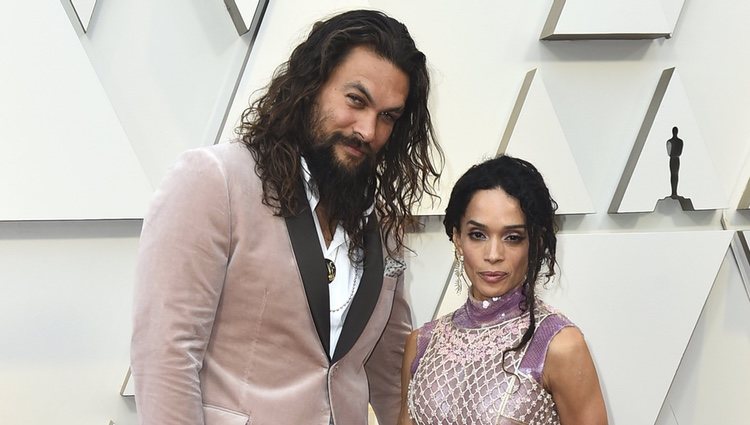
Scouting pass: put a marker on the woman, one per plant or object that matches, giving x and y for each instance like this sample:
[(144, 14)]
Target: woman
[(504, 357)]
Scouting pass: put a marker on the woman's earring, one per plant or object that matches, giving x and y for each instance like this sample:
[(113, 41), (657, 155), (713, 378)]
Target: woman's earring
[(458, 271)]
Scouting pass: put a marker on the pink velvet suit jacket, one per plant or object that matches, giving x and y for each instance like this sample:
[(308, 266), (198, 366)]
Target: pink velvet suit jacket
[(231, 310)]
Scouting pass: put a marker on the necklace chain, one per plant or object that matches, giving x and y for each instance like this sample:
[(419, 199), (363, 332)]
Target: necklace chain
[(355, 285)]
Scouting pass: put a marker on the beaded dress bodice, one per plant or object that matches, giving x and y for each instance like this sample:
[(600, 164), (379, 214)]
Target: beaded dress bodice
[(460, 378)]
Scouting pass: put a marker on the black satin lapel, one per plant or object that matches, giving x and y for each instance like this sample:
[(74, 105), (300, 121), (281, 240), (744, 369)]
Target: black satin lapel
[(368, 293), (311, 264)]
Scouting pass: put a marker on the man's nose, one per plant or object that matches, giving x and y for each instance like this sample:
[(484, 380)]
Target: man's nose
[(366, 126)]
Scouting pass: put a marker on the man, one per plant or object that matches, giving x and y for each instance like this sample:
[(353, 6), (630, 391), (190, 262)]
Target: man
[(265, 292)]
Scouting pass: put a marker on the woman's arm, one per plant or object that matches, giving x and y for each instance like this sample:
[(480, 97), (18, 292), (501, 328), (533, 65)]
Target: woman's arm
[(410, 352), (570, 376)]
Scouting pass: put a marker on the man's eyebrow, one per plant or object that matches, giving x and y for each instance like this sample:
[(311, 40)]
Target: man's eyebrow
[(366, 93), (397, 110), (361, 88)]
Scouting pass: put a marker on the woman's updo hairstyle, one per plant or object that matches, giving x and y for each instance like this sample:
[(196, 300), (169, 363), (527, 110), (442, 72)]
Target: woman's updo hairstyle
[(521, 180)]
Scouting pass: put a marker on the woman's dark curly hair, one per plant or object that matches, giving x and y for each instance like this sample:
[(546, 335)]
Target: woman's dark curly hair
[(274, 126), (521, 180)]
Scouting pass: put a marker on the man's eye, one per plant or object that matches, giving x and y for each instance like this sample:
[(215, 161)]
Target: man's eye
[(355, 100), (388, 117)]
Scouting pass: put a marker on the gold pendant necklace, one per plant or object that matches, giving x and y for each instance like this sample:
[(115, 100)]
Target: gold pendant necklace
[(331, 268)]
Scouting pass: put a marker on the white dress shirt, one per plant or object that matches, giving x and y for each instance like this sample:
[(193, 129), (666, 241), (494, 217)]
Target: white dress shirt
[(341, 291)]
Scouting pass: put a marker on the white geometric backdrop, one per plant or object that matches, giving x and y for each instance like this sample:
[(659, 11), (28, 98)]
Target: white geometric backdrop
[(599, 20), (647, 176), (90, 121), (545, 146), (65, 155)]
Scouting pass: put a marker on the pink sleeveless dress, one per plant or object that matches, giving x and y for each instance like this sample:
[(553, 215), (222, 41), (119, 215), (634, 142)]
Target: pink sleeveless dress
[(457, 375)]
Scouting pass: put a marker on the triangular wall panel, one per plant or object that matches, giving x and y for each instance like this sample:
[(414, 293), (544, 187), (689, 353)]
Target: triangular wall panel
[(432, 255), (246, 14), (741, 250), (534, 134), (127, 389), (667, 415), (64, 155), (84, 9), (637, 298), (647, 175), (710, 386), (745, 200), (611, 19)]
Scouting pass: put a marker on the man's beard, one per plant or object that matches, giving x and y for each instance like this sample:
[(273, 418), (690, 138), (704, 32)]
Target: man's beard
[(345, 191)]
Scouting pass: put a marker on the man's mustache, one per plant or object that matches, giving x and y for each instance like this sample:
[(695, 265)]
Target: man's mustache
[(351, 141)]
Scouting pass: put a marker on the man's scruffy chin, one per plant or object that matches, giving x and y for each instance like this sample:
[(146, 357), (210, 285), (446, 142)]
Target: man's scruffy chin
[(344, 191)]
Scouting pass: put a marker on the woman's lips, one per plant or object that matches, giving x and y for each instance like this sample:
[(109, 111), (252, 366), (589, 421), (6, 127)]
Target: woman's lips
[(493, 277)]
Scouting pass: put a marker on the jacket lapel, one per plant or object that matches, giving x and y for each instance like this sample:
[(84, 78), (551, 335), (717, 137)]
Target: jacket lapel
[(311, 264), (368, 293)]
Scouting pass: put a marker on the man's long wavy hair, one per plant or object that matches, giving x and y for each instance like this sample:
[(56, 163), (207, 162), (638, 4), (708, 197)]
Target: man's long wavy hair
[(274, 126)]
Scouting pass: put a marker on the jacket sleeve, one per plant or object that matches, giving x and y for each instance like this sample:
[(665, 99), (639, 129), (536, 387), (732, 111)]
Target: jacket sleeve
[(182, 260), (384, 366)]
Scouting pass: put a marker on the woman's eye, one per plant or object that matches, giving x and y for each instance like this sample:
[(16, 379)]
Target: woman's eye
[(514, 238), (476, 235)]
